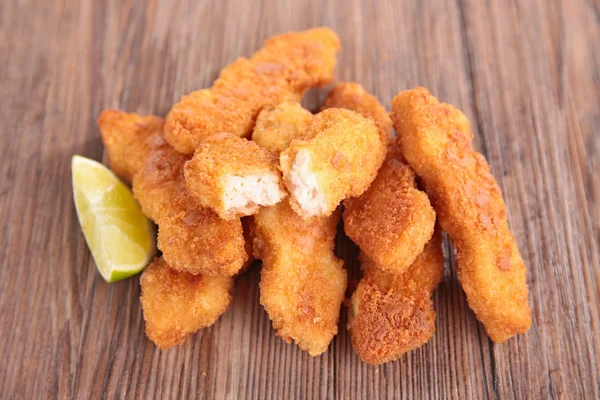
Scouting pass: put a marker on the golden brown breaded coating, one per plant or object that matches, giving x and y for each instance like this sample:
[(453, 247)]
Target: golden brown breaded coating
[(436, 141), (129, 139), (177, 304), (233, 176), (391, 315), (393, 220), (192, 238), (339, 161), (158, 182), (302, 283), (277, 126), (287, 66), (353, 96)]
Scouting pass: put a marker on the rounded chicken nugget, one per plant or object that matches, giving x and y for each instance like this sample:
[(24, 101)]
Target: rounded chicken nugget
[(393, 220), (196, 240), (277, 126), (339, 161), (233, 176), (177, 304), (391, 315)]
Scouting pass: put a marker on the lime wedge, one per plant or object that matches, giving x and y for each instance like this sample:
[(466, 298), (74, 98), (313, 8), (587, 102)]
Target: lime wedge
[(122, 240)]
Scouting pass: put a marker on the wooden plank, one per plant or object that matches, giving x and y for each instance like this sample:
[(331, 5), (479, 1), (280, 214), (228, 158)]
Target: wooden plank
[(526, 73)]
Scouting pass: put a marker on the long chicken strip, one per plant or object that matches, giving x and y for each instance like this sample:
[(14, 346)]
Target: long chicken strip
[(284, 69), (339, 161), (192, 238), (302, 283), (393, 314), (392, 221), (129, 139), (177, 304), (436, 141)]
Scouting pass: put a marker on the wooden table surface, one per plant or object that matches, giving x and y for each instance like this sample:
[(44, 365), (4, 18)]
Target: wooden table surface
[(527, 74)]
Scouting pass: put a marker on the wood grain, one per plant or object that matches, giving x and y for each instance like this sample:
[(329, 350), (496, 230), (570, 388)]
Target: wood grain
[(527, 73)]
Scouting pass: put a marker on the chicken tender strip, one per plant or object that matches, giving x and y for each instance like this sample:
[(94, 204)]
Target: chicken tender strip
[(284, 69), (392, 221), (177, 304), (277, 126), (436, 141), (233, 176), (302, 283), (339, 161), (392, 315), (352, 96), (129, 139), (192, 238)]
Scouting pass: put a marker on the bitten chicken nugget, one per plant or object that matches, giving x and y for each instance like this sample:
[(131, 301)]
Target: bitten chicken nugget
[(287, 66), (129, 139), (392, 221), (391, 315), (192, 238), (436, 141), (177, 304), (233, 176), (339, 161), (277, 126), (302, 283), (352, 96)]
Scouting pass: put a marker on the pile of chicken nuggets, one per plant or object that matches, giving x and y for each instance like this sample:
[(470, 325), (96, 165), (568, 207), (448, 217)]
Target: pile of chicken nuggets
[(241, 171)]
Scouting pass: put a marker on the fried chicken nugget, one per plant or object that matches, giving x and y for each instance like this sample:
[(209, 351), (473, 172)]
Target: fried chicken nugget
[(233, 176), (436, 141), (352, 96), (391, 315), (287, 66), (277, 126), (392, 221), (192, 238), (302, 283), (339, 161), (177, 304), (129, 139)]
